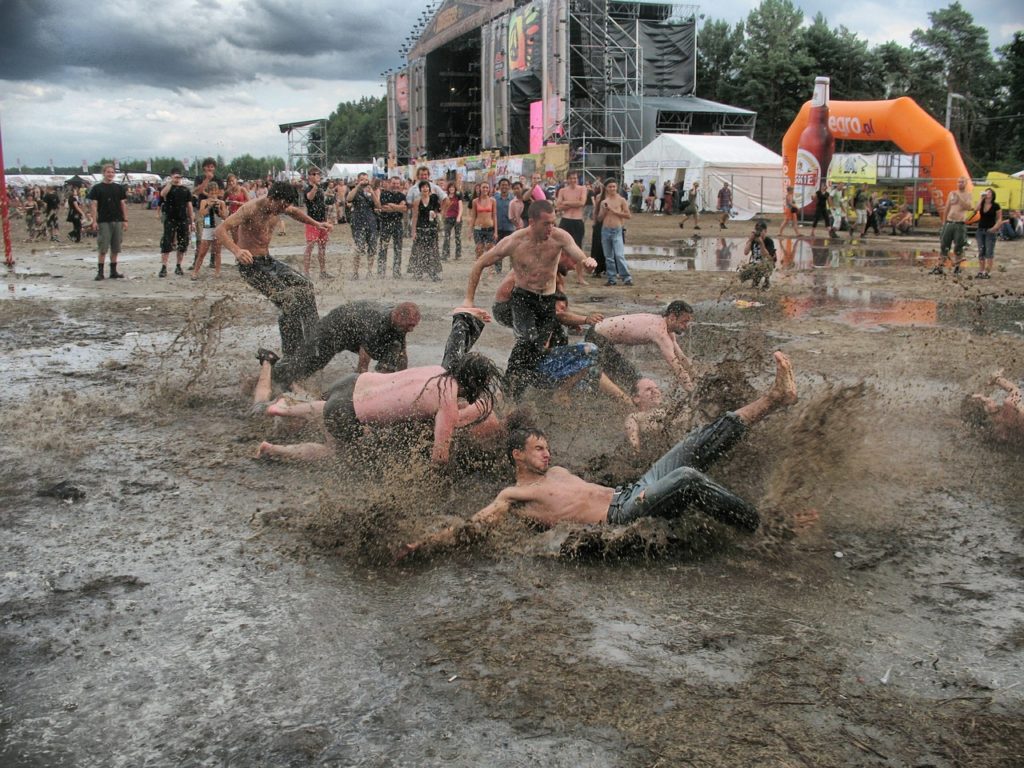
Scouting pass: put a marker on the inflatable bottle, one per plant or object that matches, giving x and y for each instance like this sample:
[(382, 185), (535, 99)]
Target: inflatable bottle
[(814, 149)]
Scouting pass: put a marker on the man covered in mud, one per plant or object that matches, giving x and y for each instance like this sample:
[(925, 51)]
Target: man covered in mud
[(372, 331), (534, 254), (1005, 420), (643, 328), (292, 293), (416, 394), (552, 495)]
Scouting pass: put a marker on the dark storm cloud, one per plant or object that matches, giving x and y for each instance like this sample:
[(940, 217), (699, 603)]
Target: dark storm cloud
[(188, 44)]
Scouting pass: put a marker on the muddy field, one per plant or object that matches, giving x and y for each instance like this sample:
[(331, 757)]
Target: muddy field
[(192, 606)]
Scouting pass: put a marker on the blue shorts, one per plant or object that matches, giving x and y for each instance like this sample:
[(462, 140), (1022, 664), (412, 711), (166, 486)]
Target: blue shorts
[(563, 363)]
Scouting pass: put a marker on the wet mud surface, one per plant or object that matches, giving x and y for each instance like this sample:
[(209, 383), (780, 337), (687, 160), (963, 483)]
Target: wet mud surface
[(189, 605)]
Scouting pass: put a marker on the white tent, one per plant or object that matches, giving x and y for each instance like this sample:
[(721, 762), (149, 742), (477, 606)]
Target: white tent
[(350, 170), (754, 172)]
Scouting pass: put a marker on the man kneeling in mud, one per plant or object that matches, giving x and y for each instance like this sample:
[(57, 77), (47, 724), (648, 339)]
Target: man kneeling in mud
[(426, 393), (551, 495), (1005, 419)]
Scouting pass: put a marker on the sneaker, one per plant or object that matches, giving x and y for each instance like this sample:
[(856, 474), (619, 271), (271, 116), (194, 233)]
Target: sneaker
[(326, 276), (610, 282), (721, 226), (696, 226), (937, 271), (628, 281), (178, 270), (163, 271)]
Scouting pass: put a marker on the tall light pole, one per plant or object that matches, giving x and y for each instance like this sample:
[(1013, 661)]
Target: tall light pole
[(949, 104), (5, 221)]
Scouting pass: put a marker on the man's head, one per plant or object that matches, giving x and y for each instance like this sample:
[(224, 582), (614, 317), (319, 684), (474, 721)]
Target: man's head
[(108, 173), (961, 183), (503, 186), (528, 450), (571, 178), (313, 174), (281, 195), (611, 187), (542, 219), (423, 173), (209, 165), (363, 180), (535, 179), (678, 315), (646, 394), (405, 316), (760, 227), (395, 184), (213, 189), (479, 380), (725, 184), (517, 187), (175, 176)]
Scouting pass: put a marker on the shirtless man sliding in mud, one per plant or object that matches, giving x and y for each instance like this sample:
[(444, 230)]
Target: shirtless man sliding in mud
[(426, 393), (1006, 419), (292, 293), (551, 495), (533, 253), (644, 328)]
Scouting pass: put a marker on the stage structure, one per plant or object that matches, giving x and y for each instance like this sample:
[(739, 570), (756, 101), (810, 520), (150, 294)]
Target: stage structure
[(601, 76), (307, 144)]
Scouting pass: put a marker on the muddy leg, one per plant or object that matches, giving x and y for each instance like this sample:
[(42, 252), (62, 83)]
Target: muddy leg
[(782, 393), (296, 452)]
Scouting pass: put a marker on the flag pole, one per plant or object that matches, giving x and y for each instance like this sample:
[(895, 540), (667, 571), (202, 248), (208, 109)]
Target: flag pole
[(5, 209)]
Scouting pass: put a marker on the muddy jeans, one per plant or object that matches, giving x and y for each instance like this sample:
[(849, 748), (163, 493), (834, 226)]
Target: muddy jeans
[(677, 481), (291, 293), (533, 320)]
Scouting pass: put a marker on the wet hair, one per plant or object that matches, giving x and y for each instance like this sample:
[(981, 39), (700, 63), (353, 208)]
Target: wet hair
[(283, 192), (537, 207), (973, 412), (559, 296), (209, 161), (478, 379), (521, 426), (406, 311), (677, 307)]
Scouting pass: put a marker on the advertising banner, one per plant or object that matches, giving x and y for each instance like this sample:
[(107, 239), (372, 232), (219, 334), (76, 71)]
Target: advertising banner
[(536, 127), (853, 169)]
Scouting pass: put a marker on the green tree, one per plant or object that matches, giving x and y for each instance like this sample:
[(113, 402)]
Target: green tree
[(772, 68), (843, 57), (717, 46), (958, 50), (247, 167), (357, 130), (1006, 131)]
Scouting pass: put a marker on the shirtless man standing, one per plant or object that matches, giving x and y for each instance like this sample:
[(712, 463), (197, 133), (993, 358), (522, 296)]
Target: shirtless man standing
[(533, 253), (569, 203), (552, 495), (954, 228), (644, 328), (254, 224)]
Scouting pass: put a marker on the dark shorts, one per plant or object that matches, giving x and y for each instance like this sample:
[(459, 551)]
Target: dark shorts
[(175, 236), (483, 236), (339, 411), (677, 481), (575, 229), (612, 363)]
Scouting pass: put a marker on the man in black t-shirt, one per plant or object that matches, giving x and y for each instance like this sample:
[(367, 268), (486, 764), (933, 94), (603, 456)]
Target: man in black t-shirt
[(199, 190), (316, 209), (52, 201), (392, 214), (372, 331), (179, 221), (109, 219)]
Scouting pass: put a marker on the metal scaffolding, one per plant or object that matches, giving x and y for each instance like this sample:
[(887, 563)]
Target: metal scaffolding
[(605, 85), (307, 144)]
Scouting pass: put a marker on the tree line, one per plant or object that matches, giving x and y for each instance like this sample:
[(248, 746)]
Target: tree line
[(768, 63)]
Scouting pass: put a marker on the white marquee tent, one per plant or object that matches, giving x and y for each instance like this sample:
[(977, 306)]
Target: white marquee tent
[(753, 171), (350, 170)]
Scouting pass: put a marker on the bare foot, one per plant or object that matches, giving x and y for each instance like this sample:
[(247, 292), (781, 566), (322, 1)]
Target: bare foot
[(996, 376), (783, 391), (278, 408), (263, 452), (483, 314)]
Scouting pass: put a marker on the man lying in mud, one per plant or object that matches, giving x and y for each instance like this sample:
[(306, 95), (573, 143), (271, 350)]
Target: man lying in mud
[(292, 293), (372, 331), (1005, 420), (551, 495), (430, 393), (534, 254)]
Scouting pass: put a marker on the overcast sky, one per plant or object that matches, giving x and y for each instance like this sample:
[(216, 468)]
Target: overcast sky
[(85, 79)]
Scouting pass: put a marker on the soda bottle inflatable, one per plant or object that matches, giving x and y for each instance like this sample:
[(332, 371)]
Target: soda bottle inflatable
[(814, 149)]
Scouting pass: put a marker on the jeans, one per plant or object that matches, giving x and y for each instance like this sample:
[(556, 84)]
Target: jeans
[(986, 244), (390, 232), (677, 480), (615, 254), (446, 249), (291, 293)]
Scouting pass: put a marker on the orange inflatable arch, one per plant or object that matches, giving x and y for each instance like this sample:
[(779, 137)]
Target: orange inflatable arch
[(900, 121)]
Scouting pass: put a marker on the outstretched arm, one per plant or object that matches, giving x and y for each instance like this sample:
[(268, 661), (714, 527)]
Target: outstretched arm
[(570, 249), (674, 356), (489, 257), (486, 518), (299, 215)]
